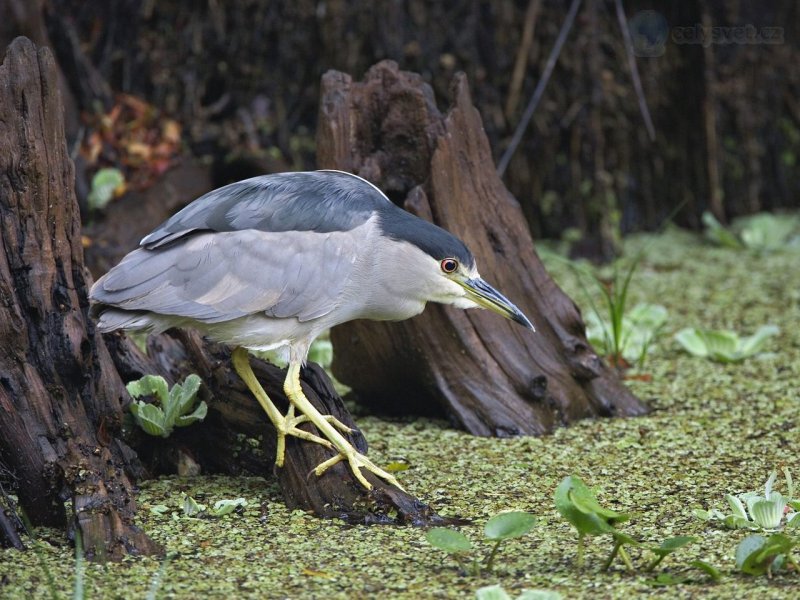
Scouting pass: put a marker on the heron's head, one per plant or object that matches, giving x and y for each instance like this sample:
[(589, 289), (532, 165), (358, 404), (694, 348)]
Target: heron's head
[(463, 287), (443, 269)]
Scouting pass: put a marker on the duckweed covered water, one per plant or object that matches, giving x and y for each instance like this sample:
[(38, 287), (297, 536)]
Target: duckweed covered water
[(713, 429)]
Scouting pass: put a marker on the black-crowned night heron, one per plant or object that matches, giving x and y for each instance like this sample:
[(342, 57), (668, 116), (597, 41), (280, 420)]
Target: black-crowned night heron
[(273, 261)]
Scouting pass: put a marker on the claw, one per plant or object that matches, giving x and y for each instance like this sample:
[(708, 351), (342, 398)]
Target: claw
[(328, 425), (357, 461)]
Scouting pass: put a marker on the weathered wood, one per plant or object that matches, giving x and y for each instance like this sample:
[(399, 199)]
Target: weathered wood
[(217, 444), (491, 376), (60, 397)]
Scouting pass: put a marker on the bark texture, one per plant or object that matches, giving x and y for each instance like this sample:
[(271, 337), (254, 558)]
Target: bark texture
[(60, 397), (491, 376)]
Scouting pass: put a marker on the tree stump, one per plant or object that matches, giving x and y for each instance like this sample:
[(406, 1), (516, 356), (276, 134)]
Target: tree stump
[(60, 397), (491, 376)]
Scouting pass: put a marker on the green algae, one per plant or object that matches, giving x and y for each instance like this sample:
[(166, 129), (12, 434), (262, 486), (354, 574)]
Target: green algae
[(714, 429)]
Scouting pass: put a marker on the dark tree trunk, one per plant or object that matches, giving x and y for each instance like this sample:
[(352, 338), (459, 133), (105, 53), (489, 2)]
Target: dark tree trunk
[(491, 376), (60, 397)]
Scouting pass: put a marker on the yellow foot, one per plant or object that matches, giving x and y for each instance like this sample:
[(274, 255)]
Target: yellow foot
[(330, 419), (289, 427), (358, 461)]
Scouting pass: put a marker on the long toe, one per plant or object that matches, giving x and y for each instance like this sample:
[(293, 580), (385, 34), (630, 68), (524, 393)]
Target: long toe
[(357, 461)]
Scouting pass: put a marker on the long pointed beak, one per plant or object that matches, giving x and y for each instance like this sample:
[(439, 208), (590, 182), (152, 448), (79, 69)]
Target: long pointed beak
[(486, 296)]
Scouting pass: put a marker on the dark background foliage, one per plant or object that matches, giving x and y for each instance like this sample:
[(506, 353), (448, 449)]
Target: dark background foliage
[(242, 79)]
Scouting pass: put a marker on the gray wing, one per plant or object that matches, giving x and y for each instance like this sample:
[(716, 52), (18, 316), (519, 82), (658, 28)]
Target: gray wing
[(214, 277), (321, 201)]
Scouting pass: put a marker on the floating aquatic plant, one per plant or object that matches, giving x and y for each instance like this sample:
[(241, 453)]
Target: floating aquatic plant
[(724, 345), (174, 406)]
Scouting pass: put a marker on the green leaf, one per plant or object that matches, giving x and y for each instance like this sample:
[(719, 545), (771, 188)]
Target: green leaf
[(150, 418), (191, 507), (585, 501), (718, 234), (760, 555), (672, 544), (191, 385), (104, 183), (639, 327), (737, 508), (539, 595), (765, 232), (721, 345), (584, 519), (768, 514), (224, 507), (159, 509), (506, 526), (198, 415), (491, 592), (751, 345), (794, 520), (707, 568), (692, 342), (149, 385), (181, 399), (748, 546), (172, 405), (449, 540)]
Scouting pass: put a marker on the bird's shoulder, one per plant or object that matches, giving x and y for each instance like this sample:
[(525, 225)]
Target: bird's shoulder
[(318, 201)]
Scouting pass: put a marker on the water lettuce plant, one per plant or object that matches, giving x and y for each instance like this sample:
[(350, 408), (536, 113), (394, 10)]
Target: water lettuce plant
[(638, 329), (759, 233), (496, 592), (498, 529), (174, 408), (751, 510), (724, 345), (192, 508)]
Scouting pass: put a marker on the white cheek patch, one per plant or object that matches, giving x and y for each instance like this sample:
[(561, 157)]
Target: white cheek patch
[(464, 303)]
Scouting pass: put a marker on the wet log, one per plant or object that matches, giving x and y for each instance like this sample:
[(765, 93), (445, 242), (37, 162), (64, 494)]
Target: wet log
[(60, 396), (218, 444), (490, 376)]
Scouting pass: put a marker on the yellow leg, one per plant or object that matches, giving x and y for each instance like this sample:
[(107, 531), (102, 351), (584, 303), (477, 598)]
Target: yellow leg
[(347, 452), (285, 425)]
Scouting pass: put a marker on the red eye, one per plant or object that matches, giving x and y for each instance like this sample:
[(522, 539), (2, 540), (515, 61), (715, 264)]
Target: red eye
[(449, 265)]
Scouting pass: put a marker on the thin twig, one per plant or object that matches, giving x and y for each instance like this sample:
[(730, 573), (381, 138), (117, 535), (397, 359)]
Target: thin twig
[(637, 82), (521, 62), (540, 86)]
